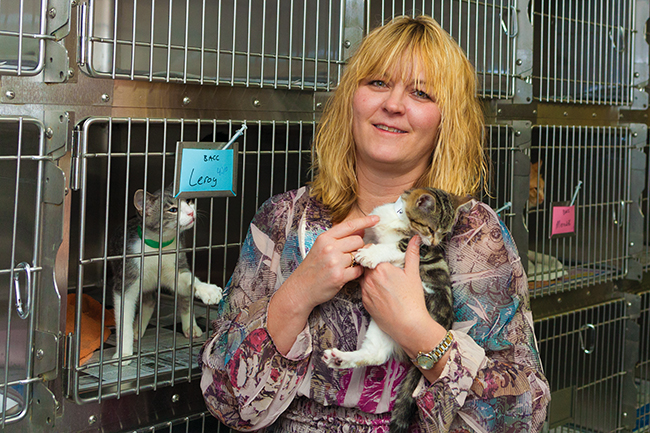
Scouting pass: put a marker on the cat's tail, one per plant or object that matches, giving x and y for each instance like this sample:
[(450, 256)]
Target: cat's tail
[(405, 409)]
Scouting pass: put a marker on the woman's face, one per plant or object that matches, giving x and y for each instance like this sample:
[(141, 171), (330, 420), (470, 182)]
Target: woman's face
[(394, 125)]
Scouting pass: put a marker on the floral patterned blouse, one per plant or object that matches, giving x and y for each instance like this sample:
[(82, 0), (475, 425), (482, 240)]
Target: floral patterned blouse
[(493, 381)]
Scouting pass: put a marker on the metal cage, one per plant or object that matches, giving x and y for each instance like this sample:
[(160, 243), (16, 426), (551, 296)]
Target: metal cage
[(590, 169), (25, 267), (23, 31), (585, 52), (133, 78), (583, 357), (117, 156), (277, 44)]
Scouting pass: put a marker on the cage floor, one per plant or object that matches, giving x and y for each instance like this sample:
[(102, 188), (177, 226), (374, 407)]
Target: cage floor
[(162, 352), (574, 277)]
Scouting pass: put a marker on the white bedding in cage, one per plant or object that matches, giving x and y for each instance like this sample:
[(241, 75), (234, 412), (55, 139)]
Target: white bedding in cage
[(544, 267)]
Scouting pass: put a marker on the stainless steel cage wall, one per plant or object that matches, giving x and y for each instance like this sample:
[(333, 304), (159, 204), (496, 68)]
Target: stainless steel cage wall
[(96, 93)]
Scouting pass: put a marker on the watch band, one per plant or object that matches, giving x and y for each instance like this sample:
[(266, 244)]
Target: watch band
[(427, 360)]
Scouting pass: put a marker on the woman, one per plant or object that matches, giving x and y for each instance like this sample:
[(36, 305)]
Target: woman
[(405, 114)]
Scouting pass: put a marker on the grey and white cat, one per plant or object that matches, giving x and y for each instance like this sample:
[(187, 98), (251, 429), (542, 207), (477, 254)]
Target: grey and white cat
[(131, 275), (429, 213)]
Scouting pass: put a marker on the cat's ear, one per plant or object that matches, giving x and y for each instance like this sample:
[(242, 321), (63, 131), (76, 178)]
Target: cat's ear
[(138, 200), (536, 166), (426, 201)]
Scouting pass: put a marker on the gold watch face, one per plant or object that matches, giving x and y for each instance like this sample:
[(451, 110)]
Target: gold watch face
[(425, 361)]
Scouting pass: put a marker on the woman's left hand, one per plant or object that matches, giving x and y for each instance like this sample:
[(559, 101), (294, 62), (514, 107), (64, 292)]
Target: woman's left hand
[(394, 297)]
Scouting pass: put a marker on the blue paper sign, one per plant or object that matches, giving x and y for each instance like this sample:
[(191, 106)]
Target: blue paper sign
[(205, 170)]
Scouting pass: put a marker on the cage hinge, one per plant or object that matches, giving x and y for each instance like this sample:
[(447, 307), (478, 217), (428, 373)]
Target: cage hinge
[(58, 18), (46, 355), (57, 63), (56, 132), (45, 411)]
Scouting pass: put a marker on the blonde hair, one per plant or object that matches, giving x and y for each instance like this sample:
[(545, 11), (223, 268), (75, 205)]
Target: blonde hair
[(458, 163)]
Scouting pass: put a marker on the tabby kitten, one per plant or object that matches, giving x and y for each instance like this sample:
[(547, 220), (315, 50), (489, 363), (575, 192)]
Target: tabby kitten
[(430, 213), (129, 273)]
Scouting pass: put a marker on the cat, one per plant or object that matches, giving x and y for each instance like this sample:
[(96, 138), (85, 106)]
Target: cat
[(174, 212), (535, 185), (429, 213)]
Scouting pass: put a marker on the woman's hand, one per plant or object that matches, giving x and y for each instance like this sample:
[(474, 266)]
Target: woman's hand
[(328, 265), (320, 276), (394, 297)]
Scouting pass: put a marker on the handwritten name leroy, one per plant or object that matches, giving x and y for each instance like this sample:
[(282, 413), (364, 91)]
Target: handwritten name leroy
[(210, 180)]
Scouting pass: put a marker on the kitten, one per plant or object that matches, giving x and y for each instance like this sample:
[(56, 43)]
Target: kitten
[(174, 212), (536, 185), (429, 213)]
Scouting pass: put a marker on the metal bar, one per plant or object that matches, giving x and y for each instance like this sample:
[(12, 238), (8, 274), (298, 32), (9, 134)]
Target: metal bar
[(187, 37), (152, 39), (133, 36)]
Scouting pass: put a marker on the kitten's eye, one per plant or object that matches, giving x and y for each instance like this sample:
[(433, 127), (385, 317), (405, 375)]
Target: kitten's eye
[(172, 209)]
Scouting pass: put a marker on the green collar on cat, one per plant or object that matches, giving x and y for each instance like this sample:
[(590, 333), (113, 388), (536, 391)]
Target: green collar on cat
[(154, 244)]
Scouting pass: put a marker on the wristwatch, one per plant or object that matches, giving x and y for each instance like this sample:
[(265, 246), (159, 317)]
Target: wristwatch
[(427, 360)]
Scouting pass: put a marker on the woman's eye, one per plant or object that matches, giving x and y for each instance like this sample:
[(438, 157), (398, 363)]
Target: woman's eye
[(378, 83), (173, 209), (420, 94)]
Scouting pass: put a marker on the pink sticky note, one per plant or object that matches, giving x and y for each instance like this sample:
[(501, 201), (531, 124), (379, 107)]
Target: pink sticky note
[(564, 220)]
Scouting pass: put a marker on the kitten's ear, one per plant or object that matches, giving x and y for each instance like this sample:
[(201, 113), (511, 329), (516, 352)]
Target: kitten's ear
[(138, 200), (426, 201)]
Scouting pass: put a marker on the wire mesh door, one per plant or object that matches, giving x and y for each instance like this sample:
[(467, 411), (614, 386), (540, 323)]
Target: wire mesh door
[(21, 174), (277, 44), (586, 169), (585, 51), (116, 157), (23, 27), (583, 357), (488, 31)]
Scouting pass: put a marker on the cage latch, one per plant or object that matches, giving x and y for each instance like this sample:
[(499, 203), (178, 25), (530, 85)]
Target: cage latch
[(588, 342), (23, 309)]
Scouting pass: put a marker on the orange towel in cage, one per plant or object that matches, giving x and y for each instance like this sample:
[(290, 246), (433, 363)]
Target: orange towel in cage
[(91, 324)]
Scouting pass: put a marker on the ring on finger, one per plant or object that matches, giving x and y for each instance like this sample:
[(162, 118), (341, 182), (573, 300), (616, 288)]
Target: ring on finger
[(353, 261)]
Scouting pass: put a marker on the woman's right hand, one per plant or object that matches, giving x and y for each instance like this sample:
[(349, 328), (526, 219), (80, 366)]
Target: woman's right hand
[(320, 276)]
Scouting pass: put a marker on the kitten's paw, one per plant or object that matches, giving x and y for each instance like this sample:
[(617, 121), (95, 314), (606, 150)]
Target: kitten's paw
[(208, 293), (196, 331), (365, 258), (336, 359)]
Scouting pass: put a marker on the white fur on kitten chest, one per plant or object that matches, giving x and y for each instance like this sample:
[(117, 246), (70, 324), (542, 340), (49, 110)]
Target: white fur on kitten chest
[(377, 347)]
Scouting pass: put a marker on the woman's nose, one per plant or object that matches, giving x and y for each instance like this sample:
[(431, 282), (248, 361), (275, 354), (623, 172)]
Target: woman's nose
[(394, 102)]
